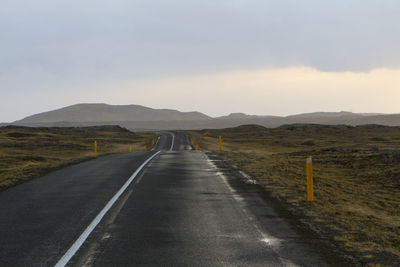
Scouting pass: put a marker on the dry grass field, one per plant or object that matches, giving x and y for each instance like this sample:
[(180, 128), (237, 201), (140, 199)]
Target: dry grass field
[(26, 152), (356, 179)]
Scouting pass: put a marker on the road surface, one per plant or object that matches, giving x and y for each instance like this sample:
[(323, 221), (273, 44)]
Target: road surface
[(179, 210)]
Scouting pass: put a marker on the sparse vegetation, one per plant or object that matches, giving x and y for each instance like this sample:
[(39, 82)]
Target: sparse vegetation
[(26, 152), (356, 179)]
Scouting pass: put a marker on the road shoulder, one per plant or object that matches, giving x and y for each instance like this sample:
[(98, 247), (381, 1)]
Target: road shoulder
[(257, 199)]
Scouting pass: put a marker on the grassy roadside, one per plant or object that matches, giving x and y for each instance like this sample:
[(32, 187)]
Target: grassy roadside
[(356, 178), (26, 152)]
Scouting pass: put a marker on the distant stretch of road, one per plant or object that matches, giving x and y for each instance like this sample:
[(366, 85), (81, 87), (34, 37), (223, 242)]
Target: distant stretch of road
[(171, 206)]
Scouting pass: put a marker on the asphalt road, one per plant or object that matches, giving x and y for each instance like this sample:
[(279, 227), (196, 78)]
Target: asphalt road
[(180, 210)]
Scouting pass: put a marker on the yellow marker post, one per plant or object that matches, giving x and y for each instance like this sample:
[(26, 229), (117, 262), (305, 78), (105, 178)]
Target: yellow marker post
[(145, 148), (310, 185), (220, 143), (95, 148), (196, 147), (152, 142), (130, 149)]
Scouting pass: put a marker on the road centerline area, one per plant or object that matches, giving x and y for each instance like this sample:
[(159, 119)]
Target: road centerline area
[(78, 243), (187, 210), (184, 213), (173, 141)]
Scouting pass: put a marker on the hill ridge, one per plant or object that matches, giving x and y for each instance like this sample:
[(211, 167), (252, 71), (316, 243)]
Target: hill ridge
[(100, 112), (138, 117)]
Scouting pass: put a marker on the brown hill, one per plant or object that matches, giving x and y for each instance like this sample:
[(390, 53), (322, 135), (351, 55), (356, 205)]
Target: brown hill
[(137, 117)]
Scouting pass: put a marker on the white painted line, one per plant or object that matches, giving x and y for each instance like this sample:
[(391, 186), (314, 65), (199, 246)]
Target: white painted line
[(173, 139), (273, 242), (188, 147), (78, 243)]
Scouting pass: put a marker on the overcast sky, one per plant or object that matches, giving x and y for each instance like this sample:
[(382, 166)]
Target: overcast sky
[(275, 57)]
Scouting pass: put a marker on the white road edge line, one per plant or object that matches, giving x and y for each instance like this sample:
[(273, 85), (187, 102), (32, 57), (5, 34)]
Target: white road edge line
[(271, 241), (78, 243), (173, 140)]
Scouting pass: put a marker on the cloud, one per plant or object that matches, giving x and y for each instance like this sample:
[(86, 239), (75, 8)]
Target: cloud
[(280, 91), (268, 91), (170, 37), (50, 47)]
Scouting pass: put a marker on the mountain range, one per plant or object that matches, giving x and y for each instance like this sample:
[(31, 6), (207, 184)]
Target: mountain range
[(136, 117)]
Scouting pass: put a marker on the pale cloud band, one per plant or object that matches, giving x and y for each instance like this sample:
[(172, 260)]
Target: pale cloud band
[(268, 91), (278, 91)]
